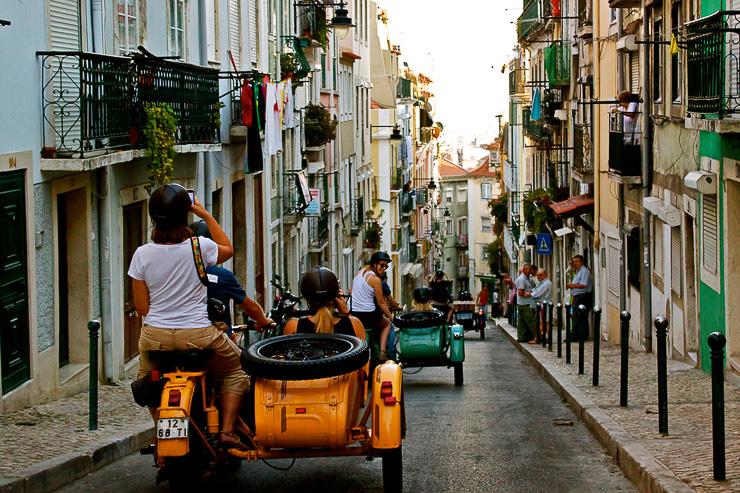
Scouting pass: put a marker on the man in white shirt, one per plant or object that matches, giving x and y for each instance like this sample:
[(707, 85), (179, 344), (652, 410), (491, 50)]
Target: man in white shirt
[(525, 329)]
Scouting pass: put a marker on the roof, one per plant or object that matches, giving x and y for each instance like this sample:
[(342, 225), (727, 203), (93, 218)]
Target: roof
[(483, 171), (448, 169), (573, 206)]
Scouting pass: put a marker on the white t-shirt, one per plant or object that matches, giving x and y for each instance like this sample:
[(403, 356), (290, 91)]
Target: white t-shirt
[(177, 298)]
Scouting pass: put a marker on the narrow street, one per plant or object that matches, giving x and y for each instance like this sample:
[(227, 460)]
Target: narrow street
[(495, 434)]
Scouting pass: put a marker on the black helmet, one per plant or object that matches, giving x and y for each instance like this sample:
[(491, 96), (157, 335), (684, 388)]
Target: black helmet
[(379, 257), (169, 205), (319, 286), (422, 294), (200, 228)]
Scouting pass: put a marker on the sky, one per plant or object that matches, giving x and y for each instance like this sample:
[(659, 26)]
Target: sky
[(461, 45)]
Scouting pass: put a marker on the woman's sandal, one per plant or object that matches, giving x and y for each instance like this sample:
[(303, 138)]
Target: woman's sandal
[(229, 440)]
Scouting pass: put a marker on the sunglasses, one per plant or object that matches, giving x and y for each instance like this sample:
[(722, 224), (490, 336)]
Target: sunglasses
[(382, 266)]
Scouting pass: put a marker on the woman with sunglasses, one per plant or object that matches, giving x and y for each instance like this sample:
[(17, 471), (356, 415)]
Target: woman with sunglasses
[(368, 301)]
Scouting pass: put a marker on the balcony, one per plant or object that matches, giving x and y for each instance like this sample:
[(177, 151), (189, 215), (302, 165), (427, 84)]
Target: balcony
[(713, 72), (625, 156), (463, 271), (373, 235), (395, 239), (94, 104), (557, 64), (407, 203), (358, 215), (397, 179), (318, 230), (534, 129), (403, 89), (582, 167), (294, 201), (461, 241), (516, 81), (534, 14), (413, 251), (585, 19)]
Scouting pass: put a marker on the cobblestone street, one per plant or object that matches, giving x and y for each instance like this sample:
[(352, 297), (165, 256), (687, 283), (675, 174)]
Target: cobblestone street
[(687, 450), (46, 431)]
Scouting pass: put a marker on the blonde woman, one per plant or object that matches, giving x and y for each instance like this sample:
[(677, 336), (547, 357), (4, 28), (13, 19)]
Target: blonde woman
[(320, 288)]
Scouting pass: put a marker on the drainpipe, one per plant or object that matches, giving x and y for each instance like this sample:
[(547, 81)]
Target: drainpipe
[(104, 293), (205, 161), (646, 282), (620, 198), (595, 146)]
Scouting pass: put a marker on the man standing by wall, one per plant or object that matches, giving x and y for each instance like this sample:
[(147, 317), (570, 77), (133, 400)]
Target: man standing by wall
[(581, 289), (525, 329)]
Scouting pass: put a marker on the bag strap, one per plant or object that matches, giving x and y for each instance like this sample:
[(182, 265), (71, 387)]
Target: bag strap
[(200, 266)]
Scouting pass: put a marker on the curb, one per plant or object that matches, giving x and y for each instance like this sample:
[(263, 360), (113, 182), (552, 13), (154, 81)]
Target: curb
[(52, 474), (637, 464)]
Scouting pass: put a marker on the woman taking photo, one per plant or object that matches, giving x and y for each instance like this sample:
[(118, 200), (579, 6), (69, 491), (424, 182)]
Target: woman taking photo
[(170, 296)]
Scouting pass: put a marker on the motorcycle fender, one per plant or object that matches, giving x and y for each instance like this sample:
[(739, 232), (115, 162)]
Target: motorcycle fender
[(457, 343), (386, 411), (184, 382)]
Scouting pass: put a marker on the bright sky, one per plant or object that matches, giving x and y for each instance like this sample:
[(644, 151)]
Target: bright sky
[(456, 43)]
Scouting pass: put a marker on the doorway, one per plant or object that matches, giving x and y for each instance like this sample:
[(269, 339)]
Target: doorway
[(238, 228), (15, 364), (691, 324), (259, 234), (134, 233), (732, 270)]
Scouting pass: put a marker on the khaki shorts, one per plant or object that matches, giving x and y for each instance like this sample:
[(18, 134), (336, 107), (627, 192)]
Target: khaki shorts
[(224, 365)]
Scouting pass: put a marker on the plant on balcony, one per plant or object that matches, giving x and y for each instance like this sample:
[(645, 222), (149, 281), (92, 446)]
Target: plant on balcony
[(500, 208), (373, 229), (160, 131), (493, 253), (318, 125), (216, 114), (319, 30), (288, 65), (536, 213)]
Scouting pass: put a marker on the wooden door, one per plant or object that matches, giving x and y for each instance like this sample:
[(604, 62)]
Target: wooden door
[(133, 237), (14, 337)]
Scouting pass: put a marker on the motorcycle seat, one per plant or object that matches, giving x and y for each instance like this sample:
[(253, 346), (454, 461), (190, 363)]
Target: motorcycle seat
[(190, 359)]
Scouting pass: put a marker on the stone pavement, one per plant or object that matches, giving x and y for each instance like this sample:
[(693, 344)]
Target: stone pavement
[(685, 453), (45, 446)]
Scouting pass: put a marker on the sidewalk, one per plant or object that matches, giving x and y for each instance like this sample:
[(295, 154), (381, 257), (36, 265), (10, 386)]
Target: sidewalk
[(46, 446), (681, 461)]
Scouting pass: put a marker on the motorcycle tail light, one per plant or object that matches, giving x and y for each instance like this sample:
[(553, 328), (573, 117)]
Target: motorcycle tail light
[(300, 410), (389, 401), (386, 389), (173, 400)]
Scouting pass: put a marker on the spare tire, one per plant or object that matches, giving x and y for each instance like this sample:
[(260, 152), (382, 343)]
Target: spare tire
[(305, 356), (419, 319)]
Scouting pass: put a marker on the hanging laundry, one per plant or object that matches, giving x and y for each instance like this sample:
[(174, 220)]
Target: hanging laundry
[(556, 8), (289, 116), (258, 118), (536, 106), (273, 130), (254, 140), (245, 98), (281, 102)]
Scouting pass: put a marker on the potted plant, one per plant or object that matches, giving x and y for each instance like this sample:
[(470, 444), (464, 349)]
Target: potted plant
[(318, 125), (373, 229), (288, 65)]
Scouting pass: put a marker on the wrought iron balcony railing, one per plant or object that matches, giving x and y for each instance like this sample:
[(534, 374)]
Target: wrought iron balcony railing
[(372, 237), (318, 229), (713, 72), (407, 203), (461, 241), (294, 202), (96, 103), (582, 150), (358, 214), (625, 138), (534, 14), (534, 129), (516, 81)]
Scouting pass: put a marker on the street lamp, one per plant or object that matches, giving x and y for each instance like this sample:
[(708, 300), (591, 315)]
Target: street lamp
[(447, 213)]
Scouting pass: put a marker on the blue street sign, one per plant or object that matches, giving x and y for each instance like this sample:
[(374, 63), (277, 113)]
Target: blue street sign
[(544, 244)]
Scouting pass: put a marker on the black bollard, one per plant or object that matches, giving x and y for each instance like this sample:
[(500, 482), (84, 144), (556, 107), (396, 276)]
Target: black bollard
[(568, 334), (624, 338), (717, 342), (661, 332), (582, 314), (560, 330), (94, 327), (537, 322), (597, 345), (549, 326)]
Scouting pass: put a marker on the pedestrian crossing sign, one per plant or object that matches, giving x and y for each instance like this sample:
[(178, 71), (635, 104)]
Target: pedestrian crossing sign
[(544, 244)]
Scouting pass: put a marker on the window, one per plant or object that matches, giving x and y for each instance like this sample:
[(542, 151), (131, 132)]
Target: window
[(462, 226), (676, 69), (128, 26), (235, 28), (612, 16), (448, 195), (486, 191), (449, 231), (176, 28), (462, 195), (484, 252), (612, 271), (253, 34), (212, 29), (657, 61), (485, 224)]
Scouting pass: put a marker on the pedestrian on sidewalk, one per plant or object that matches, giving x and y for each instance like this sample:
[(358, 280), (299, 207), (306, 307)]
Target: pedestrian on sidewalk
[(542, 293), (510, 287), (525, 329), (482, 301), (581, 288)]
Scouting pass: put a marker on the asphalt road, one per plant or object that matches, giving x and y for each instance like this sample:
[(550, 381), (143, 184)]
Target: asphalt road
[(501, 432)]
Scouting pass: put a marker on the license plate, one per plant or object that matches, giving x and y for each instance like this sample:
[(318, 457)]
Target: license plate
[(168, 428)]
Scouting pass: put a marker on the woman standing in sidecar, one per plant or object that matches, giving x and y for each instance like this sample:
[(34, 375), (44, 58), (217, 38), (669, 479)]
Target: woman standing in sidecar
[(320, 288), (170, 296)]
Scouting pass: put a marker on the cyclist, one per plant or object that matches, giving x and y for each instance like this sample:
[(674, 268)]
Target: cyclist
[(320, 288), (368, 301), (169, 295)]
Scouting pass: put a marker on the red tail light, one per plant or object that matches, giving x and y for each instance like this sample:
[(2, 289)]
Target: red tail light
[(389, 401), (173, 399), (300, 410), (386, 389)]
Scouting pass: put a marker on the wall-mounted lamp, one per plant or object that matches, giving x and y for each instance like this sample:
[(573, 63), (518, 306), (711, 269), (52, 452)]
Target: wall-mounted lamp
[(447, 213), (432, 185), (341, 22)]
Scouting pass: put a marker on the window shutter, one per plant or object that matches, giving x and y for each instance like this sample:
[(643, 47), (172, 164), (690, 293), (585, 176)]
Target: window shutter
[(676, 260), (235, 37), (64, 35), (634, 72), (253, 31), (211, 22), (613, 271), (709, 233)]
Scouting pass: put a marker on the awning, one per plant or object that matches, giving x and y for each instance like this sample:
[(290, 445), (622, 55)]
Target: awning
[(417, 270), (406, 268), (573, 206)]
